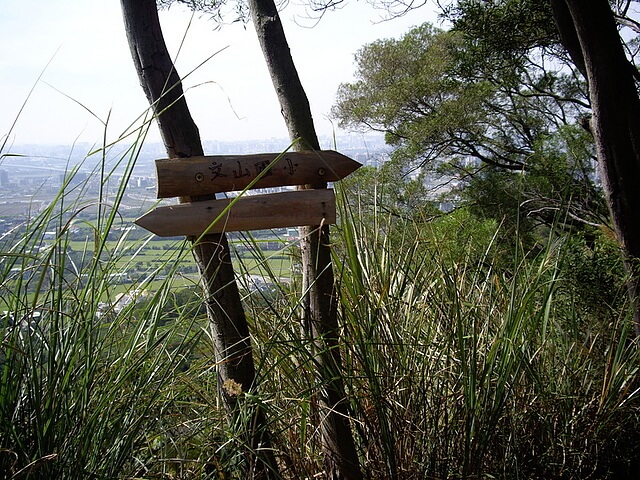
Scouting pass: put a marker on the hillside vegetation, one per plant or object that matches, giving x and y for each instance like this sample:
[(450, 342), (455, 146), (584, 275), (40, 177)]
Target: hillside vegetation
[(468, 353)]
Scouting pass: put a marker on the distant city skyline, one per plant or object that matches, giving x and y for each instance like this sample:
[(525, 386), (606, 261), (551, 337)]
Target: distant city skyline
[(88, 79), (43, 160)]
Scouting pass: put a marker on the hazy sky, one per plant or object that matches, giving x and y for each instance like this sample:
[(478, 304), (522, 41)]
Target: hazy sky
[(231, 97)]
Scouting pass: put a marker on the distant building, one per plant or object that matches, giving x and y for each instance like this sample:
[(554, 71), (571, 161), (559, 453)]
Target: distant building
[(142, 182)]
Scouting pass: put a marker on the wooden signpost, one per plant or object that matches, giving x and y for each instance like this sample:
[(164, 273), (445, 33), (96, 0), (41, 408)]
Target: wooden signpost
[(194, 176)]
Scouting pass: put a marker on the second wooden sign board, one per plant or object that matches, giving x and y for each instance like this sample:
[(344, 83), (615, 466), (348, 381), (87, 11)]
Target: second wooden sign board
[(250, 212), (195, 176)]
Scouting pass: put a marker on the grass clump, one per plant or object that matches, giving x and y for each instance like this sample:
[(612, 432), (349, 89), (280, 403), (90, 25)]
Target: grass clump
[(85, 375), (461, 368)]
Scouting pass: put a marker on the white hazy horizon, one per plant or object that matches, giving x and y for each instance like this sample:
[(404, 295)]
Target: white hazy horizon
[(88, 78)]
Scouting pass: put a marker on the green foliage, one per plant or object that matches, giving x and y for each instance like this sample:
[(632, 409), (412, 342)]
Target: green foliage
[(505, 30), (556, 191), (463, 368), (438, 102), (411, 90), (463, 238), (596, 274), (508, 138), (465, 356), (504, 27), (84, 377)]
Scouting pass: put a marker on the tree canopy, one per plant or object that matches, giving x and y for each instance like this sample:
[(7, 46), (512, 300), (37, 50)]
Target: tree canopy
[(445, 107)]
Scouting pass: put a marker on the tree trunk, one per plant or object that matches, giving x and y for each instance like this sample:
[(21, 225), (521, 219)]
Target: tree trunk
[(163, 88), (320, 322), (588, 31)]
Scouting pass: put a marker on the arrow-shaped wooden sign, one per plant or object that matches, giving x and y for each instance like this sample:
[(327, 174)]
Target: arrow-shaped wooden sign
[(249, 212), (193, 176)]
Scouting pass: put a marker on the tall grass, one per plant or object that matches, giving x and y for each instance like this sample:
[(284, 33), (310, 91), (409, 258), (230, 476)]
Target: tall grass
[(462, 370), (83, 381), (458, 364)]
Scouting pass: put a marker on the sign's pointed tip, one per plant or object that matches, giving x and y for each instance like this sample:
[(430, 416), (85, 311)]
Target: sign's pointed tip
[(146, 221)]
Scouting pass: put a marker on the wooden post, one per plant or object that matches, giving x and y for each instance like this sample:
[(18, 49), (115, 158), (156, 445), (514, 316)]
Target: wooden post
[(320, 321), (234, 360)]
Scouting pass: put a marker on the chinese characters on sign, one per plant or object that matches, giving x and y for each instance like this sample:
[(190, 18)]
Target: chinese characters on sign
[(217, 169)]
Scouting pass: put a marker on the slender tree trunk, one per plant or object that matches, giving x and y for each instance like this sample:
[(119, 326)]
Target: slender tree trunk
[(163, 88), (320, 322), (588, 32)]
